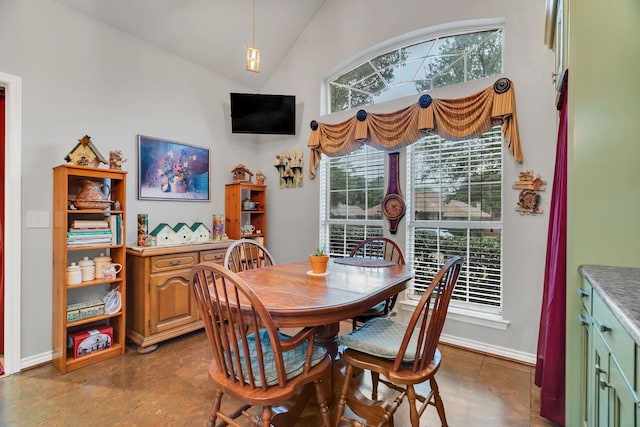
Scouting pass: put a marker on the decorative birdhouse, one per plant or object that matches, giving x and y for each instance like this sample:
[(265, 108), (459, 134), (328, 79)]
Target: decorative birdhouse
[(164, 235), (85, 154), (241, 173), (200, 232), (183, 233)]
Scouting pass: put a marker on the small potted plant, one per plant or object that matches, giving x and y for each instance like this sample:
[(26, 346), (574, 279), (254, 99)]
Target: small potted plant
[(319, 261)]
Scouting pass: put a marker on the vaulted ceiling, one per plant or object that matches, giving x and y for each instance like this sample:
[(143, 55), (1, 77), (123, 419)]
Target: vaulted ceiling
[(211, 33)]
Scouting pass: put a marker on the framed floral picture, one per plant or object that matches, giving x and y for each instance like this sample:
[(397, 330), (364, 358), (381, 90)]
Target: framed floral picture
[(171, 170)]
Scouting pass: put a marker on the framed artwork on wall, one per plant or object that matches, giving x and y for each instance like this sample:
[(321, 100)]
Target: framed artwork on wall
[(171, 170)]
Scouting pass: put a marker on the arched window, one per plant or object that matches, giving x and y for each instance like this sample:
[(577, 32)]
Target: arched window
[(453, 188), (417, 67)]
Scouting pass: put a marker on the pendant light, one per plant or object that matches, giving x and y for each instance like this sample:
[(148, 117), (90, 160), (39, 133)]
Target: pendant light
[(253, 53)]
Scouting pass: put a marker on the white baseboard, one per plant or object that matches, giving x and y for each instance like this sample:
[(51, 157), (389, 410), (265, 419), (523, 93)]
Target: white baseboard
[(36, 360), (495, 350)]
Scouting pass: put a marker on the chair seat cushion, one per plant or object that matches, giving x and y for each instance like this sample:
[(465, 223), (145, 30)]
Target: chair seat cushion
[(380, 337), (293, 359)]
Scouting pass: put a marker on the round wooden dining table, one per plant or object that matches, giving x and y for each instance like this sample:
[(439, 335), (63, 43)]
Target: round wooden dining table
[(295, 297)]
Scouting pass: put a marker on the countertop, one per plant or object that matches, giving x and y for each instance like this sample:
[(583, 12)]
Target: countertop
[(619, 289)]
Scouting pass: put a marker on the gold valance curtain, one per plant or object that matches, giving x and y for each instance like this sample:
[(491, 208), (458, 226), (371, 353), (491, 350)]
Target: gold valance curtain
[(450, 118)]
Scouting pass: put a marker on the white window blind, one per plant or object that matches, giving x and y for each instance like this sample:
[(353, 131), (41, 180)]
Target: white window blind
[(352, 188), (455, 208)]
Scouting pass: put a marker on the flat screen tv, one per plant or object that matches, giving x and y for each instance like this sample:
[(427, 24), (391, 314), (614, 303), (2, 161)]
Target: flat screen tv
[(263, 114)]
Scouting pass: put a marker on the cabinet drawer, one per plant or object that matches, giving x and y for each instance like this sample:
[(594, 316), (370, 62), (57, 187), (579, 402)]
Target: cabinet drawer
[(616, 338), (585, 292), (212, 256), (173, 262)]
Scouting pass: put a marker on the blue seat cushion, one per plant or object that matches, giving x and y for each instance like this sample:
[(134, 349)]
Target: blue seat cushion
[(380, 337), (293, 359)]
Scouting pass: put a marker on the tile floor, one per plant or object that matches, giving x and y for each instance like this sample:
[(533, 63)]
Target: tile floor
[(169, 387)]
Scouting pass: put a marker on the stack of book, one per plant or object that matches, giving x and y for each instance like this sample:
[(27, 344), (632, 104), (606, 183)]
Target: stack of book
[(89, 232)]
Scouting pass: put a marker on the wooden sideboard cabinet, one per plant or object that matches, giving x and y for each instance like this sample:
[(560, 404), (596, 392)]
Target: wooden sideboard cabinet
[(159, 299)]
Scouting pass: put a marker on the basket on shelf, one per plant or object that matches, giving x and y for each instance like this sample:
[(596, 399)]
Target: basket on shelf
[(91, 204)]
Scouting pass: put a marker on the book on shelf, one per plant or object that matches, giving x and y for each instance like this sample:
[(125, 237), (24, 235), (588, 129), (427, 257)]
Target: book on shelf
[(115, 225), (87, 232), (88, 242), (89, 224)]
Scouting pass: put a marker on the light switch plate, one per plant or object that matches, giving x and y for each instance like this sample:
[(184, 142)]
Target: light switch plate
[(37, 219)]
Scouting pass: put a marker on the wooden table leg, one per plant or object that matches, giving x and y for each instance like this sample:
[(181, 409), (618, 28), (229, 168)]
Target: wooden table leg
[(328, 338)]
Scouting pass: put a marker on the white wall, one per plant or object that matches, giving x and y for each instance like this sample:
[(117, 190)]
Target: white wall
[(338, 33), (80, 76)]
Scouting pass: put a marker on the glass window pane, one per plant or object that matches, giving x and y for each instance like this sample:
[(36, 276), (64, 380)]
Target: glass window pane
[(355, 75), (339, 98), (418, 50), (457, 190), (423, 65)]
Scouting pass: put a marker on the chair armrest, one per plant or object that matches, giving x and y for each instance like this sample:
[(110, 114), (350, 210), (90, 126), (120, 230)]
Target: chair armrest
[(306, 334)]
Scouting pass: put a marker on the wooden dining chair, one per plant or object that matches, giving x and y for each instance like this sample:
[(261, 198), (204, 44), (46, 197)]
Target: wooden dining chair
[(379, 248), (246, 254), (402, 356), (262, 368)]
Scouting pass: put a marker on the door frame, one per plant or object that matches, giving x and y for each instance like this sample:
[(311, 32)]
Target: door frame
[(13, 226)]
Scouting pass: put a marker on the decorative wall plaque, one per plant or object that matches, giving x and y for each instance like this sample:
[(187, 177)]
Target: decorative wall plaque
[(529, 197)]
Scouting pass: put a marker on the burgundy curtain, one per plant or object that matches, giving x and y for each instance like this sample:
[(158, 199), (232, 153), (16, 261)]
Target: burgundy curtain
[(550, 365), (2, 172)]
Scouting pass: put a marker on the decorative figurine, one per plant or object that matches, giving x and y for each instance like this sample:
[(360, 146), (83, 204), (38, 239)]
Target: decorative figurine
[(116, 159), (260, 178)]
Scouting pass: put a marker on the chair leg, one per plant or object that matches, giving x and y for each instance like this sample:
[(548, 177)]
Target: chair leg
[(342, 400), (375, 377), (266, 416), (322, 401), (215, 407), (413, 411), (438, 402)]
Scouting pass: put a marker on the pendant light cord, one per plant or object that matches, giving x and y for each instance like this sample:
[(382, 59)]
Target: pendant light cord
[(253, 23)]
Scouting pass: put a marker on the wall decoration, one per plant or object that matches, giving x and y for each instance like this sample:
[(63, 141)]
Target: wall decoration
[(393, 206), (170, 170), (289, 166), (529, 197)]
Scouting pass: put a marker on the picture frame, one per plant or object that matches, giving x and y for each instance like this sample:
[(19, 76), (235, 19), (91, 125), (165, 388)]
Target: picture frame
[(172, 170)]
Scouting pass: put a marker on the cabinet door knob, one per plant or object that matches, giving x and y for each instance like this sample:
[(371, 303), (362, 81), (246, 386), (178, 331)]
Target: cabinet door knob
[(582, 293), (604, 328), (582, 320)]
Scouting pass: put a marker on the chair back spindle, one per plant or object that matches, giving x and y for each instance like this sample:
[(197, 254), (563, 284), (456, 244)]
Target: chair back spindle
[(231, 313), (247, 254), (430, 314)]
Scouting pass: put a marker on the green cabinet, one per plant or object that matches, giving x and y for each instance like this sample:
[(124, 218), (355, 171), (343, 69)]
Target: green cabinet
[(587, 381), (609, 391)]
